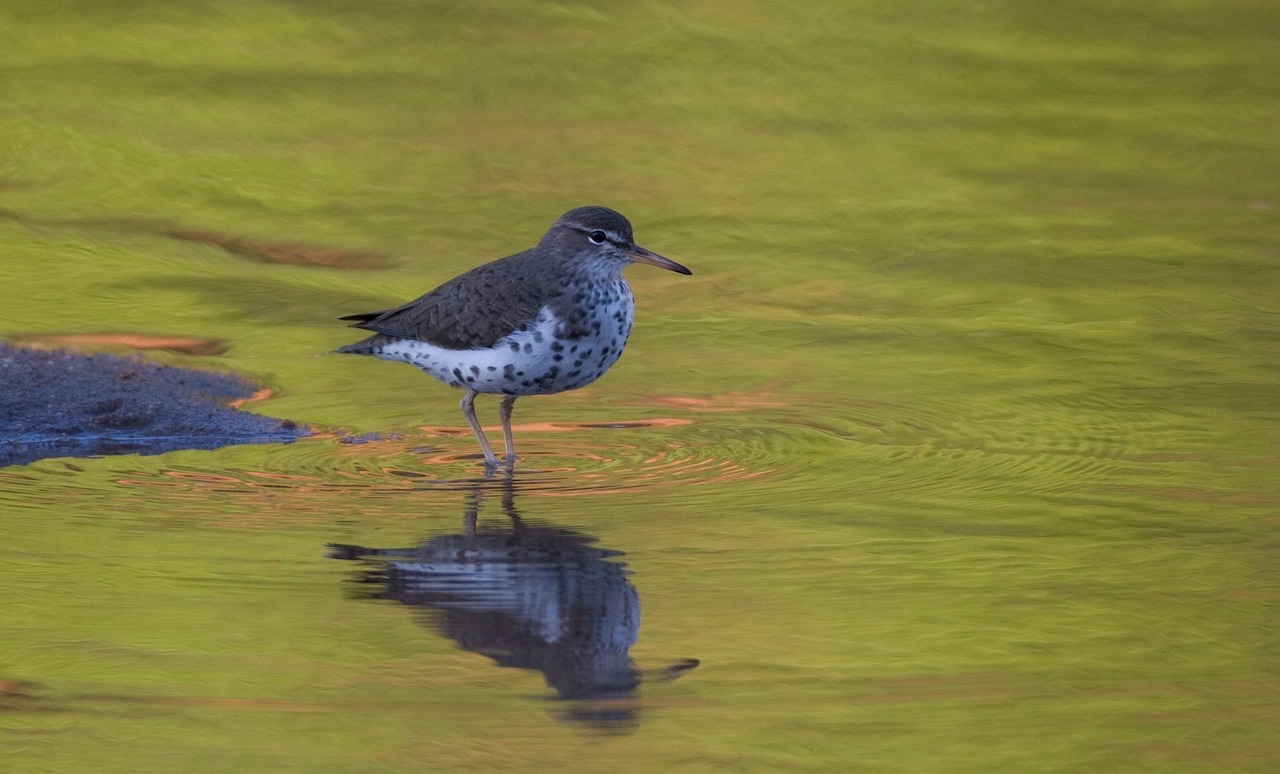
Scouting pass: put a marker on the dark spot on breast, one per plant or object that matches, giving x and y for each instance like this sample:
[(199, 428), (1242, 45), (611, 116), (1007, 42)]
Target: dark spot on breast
[(515, 347), (475, 370)]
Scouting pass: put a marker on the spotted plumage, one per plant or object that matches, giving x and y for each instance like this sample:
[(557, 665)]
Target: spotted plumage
[(549, 319)]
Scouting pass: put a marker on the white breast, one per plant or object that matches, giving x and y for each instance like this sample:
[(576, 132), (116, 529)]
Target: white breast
[(538, 360)]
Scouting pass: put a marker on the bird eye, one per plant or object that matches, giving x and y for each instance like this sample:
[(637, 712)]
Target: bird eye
[(597, 237)]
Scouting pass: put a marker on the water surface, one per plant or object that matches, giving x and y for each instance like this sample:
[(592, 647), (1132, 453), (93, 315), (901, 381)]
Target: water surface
[(956, 453)]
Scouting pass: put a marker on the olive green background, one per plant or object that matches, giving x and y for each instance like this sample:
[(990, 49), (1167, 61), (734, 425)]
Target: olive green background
[(957, 453)]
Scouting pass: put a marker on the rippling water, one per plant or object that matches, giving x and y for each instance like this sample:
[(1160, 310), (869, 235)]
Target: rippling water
[(956, 452)]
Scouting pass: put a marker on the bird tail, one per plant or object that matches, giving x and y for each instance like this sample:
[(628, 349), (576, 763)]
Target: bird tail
[(362, 347)]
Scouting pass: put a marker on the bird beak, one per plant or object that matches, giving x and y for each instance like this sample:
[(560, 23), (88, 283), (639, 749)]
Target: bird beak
[(640, 255)]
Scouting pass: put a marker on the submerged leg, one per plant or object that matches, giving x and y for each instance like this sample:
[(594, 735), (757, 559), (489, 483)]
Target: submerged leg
[(504, 411), (469, 411)]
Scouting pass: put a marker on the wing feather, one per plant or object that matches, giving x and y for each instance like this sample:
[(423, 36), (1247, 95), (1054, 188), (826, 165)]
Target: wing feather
[(471, 311)]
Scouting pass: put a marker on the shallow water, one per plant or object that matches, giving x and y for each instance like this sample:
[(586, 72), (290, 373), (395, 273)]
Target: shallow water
[(956, 452)]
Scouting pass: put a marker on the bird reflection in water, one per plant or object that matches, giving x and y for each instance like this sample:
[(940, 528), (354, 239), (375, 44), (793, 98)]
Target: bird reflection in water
[(532, 597)]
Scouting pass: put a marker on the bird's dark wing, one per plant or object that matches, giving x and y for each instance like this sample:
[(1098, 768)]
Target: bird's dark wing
[(361, 317), (470, 311)]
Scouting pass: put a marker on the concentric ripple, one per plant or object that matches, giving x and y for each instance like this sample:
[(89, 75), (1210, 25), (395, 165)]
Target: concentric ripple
[(556, 459), (952, 451), (791, 452)]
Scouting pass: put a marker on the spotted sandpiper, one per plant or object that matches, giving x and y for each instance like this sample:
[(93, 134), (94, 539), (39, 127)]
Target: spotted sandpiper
[(546, 320)]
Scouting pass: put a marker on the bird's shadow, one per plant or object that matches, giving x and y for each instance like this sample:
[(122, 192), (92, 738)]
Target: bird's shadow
[(528, 596)]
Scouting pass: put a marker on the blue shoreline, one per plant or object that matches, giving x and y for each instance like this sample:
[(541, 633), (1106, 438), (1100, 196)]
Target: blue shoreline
[(55, 403)]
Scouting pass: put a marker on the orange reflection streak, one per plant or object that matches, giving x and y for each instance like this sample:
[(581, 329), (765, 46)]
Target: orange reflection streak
[(325, 473), (286, 253), (183, 345), (733, 401), (258, 395), (567, 427)]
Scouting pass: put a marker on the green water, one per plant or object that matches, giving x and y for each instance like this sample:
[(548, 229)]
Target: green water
[(956, 453)]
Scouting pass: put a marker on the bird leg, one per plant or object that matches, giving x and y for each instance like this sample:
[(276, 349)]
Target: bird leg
[(508, 402), (469, 411)]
